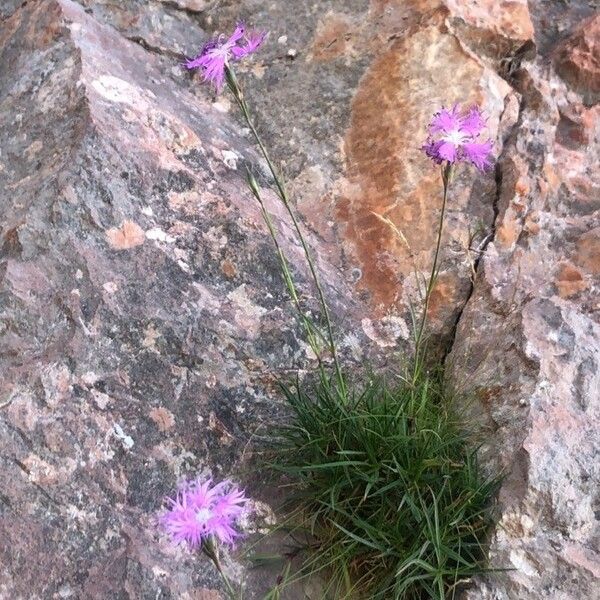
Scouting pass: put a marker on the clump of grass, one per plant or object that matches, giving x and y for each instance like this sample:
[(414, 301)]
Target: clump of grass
[(388, 499)]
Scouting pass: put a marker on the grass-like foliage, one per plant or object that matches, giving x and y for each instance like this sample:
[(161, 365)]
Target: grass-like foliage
[(388, 499)]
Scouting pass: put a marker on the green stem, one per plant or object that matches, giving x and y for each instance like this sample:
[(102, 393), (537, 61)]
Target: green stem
[(230, 590), (211, 552), (239, 97), (446, 177), (287, 276)]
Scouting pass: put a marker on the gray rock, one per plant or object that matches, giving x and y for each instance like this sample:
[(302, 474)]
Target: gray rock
[(528, 346), (142, 318)]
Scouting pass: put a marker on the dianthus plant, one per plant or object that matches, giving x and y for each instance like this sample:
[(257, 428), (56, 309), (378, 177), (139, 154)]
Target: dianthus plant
[(389, 490), (454, 136), (215, 62)]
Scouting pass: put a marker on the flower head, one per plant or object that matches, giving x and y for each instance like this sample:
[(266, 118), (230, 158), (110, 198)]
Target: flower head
[(456, 136), (202, 510), (216, 54)]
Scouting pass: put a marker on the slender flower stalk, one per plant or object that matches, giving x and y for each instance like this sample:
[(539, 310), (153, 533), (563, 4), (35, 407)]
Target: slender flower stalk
[(312, 333), (209, 548), (447, 172), (215, 61), (454, 137), (238, 94)]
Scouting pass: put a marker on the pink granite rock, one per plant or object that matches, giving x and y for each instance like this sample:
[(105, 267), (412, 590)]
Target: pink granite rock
[(577, 60), (528, 348), (142, 320)]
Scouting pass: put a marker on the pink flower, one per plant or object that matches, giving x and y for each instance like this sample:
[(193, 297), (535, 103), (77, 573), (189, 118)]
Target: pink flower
[(478, 153), (202, 510), (215, 55), (455, 136)]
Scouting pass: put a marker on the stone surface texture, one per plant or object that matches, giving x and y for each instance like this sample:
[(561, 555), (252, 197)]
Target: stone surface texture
[(578, 60), (529, 337), (142, 319)]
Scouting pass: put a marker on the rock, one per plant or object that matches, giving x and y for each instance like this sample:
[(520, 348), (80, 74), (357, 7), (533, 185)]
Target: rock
[(8, 7), (195, 6), (577, 60), (348, 118), (527, 349), (143, 321), (127, 236), (509, 19), (387, 176), (314, 114), (553, 21), (166, 27), (492, 28)]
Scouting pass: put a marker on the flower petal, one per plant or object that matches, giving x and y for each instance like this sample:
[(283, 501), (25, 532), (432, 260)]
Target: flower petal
[(478, 153), (473, 122), (445, 121), (431, 149), (253, 42), (237, 35), (201, 509), (447, 151)]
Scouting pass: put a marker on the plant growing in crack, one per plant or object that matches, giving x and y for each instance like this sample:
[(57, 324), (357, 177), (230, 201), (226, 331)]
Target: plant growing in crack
[(387, 497), (453, 137)]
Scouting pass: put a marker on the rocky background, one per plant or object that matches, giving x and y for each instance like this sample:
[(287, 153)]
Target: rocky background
[(142, 319)]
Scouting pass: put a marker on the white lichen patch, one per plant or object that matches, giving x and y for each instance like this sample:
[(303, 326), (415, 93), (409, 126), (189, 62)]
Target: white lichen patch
[(157, 234), (247, 314), (125, 439), (223, 105), (100, 399), (118, 90), (259, 517), (110, 287), (521, 562), (230, 159), (386, 332)]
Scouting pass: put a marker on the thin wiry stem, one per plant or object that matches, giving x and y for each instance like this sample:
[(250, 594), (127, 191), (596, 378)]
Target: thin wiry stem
[(282, 193), (230, 590), (287, 276), (446, 176), (210, 550)]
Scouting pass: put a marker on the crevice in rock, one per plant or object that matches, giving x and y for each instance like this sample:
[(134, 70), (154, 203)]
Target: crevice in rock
[(141, 41), (498, 175), (481, 252)]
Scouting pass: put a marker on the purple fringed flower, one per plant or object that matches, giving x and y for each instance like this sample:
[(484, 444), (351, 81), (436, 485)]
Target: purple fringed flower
[(202, 510), (216, 54), (456, 136)]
